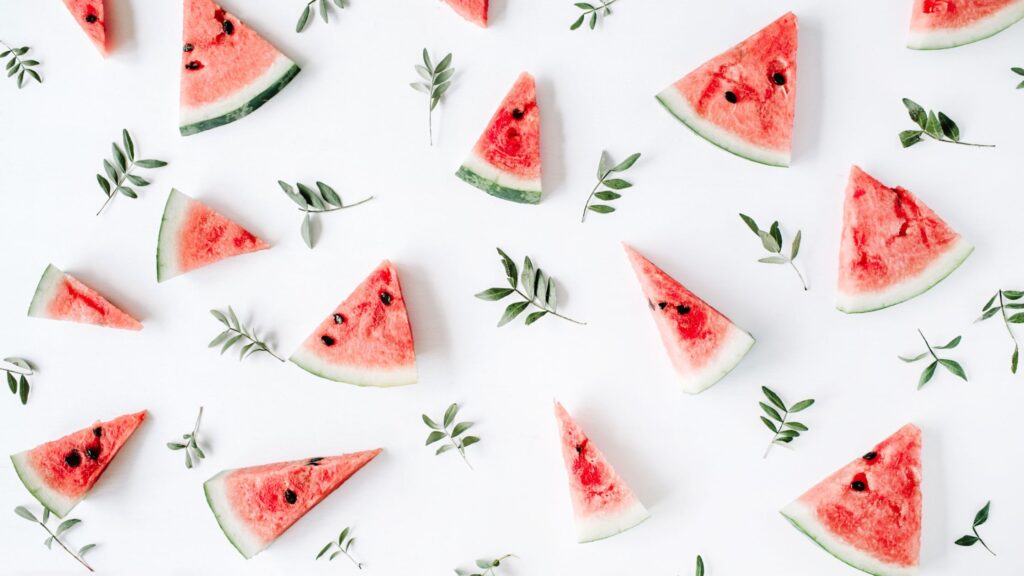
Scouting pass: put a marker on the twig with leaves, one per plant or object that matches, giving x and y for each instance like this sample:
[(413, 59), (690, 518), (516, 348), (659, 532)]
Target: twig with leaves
[(613, 184), (538, 290), (591, 11), (700, 566), (938, 127), (991, 310), (1020, 72), (952, 365), (340, 546), (308, 11), (980, 518), (18, 372), (773, 242), (436, 81), (323, 199), (121, 169), (455, 439), (485, 567), (786, 430), (58, 534), (17, 65), (236, 332), (191, 446)]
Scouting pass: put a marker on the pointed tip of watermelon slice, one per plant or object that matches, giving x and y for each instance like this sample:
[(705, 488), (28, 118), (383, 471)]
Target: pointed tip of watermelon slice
[(61, 296)]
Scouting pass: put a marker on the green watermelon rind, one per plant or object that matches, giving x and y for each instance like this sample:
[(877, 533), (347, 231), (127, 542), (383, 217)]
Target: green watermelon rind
[(491, 185), (728, 358), (48, 497), (166, 245), (951, 38), (249, 105), (355, 375), (221, 511), (46, 289), (604, 528)]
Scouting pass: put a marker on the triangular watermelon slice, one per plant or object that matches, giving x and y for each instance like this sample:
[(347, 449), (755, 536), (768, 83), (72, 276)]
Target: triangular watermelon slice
[(937, 24), (893, 247), (91, 15), (506, 159), (61, 296), (227, 69), (744, 99), (602, 502), (473, 10), (367, 340), (60, 473), (193, 235), (702, 343), (255, 505), (868, 513)]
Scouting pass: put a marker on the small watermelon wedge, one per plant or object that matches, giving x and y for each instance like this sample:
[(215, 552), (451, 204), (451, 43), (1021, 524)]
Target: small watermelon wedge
[(702, 343), (473, 10), (893, 247), (61, 296), (868, 513), (506, 159), (744, 99), (367, 340), (91, 15), (255, 506), (60, 473), (602, 502), (193, 235), (227, 69), (938, 24)]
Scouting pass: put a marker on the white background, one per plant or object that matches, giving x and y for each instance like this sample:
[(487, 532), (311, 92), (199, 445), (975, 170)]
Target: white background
[(350, 119)]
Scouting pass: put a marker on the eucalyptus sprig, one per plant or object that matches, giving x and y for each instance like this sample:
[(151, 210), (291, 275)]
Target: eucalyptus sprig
[(938, 127), (121, 169), (237, 332), (538, 290), (436, 81), (485, 567), (1020, 72), (340, 546), (58, 534), (991, 310), (17, 65), (455, 439), (323, 199), (308, 11), (191, 446), (18, 372), (700, 566), (980, 518), (591, 11), (613, 184), (952, 365), (773, 242), (786, 430)]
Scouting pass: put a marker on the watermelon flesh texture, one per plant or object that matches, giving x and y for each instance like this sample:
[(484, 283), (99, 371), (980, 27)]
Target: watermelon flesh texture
[(59, 474), (473, 10), (254, 506), (61, 296), (91, 15), (893, 247), (506, 160), (876, 529), (603, 504), (227, 69), (702, 343), (744, 99), (367, 340), (937, 24), (193, 235)]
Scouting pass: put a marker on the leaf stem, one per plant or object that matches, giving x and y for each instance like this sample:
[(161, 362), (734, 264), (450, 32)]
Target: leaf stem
[(359, 565), (594, 191), (533, 301), (959, 142), (604, 6), (336, 208), (978, 536), (801, 276), (76, 556), (120, 180), (259, 344), (776, 437), (195, 429), (930, 351), (1006, 320)]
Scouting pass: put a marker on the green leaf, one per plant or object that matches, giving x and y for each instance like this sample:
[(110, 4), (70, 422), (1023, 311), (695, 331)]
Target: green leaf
[(460, 428), (948, 345), (932, 127), (323, 11), (443, 449), (795, 248), (1013, 294), (24, 513), (67, 525), (443, 64), (229, 343), (129, 144), (769, 424), (700, 566), (469, 441), (1016, 69), (324, 550), (910, 137), (773, 397), (430, 423), (137, 180), (534, 316), (220, 317), (290, 192), (617, 184), (913, 358), (510, 268), (966, 541), (84, 549), (949, 128), (443, 77), (954, 367), (306, 230), (421, 87), (303, 19), (12, 383), (801, 405), (601, 208), (485, 564), (311, 197), (1014, 358), (770, 411), (593, 20), (917, 113), (608, 195), (989, 313), (119, 157), (789, 433), (329, 194), (750, 224), (797, 426), (34, 75), (776, 234), (769, 242), (584, 6), (982, 516), (773, 260), (577, 23), (127, 191), (233, 319), (528, 277), (220, 339), (449, 414), (783, 440), (439, 90), (23, 389), (627, 163), (426, 61), (341, 537), (46, 514), (109, 169), (151, 163), (927, 375), (434, 437), (493, 294), (1017, 318)]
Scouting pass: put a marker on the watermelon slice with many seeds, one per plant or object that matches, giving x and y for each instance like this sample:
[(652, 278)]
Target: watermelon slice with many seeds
[(61, 296), (937, 24), (868, 513), (473, 10), (91, 15), (60, 473)]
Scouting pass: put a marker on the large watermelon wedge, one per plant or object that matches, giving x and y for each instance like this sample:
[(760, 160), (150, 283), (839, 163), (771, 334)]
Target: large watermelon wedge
[(91, 15), (893, 247), (744, 99), (193, 235), (473, 10), (936, 24), (60, 473), (602, 502), (61, 296), (367, 340), (868, 513), (702, 343), (506, 159), (227, 69), (255, 505)]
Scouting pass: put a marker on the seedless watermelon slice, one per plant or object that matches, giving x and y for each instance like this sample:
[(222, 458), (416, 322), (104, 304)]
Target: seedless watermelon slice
[(473, 10), (91, 15), (868, 514), (255, 505), (936, 24), (744, 99), (60, 473), (603, 504), (61, 296)]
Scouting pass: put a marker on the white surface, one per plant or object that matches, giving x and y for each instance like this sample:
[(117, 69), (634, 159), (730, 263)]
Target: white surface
[(351, 120)]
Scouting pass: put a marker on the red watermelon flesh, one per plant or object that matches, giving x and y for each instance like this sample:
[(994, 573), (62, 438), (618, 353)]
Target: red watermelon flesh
[(60, 473), (91, 15), (868, 513), (61, 296), (473, 10), (936, 24)]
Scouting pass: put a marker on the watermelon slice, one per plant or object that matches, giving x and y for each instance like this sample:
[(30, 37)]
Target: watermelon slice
[(91, 15), (227, 70), (60, 473), (193, 235), (367, 340), (473, 10), (702, 343), (937, 24), (603, 504), (61, 296), (506, 159), (255, 505), (743, 100), (868, 513), (893, 246)]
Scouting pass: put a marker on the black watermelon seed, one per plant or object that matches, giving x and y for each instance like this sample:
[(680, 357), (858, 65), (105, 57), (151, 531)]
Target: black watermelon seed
[(97, 431), (93, 453), (314, 461), (193, 65), (518, 114), (778, 78), (871, 456), (662, 305), (339, 319), (385, 298), (579, 449), (91, 18), (731, 97), (683, 309), (290, 497), (73, 459), (858, 486), (327, 340), (188, 47), (228, 27)]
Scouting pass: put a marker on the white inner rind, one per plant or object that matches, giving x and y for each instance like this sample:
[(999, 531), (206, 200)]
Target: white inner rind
[(735, 346), (938, 38), (56, 502), (193, 115), (598, 526), (167, 248), (245, 540), (484, 169), (358, 375), (47, 289)]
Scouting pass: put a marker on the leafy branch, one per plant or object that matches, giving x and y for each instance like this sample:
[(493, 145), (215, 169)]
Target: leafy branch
[(929, 371), (236, 332), (980, 518), (121, 169), (307, 12), (191, 445), (485, 567), (57, 535), (538, 290), (786, 430), (613, 184), (454, 438), (938, 127), (591, 11), (19, 385), (772, 242), (1020, 72), (340, 546), (323, 199), (16, 65), (991, 310), (436, 82)]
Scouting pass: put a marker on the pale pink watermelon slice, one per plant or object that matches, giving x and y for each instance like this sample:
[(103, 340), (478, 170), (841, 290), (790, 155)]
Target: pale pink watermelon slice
[(61, 296), (506, 159), (473, 10), (868, 513), (91, 15), (367, 340), (893, 247), (937, 24), (193, 235), (256, 505), (603, 504), (702, 343), (744, 99), (227, 69), (60, 473)]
